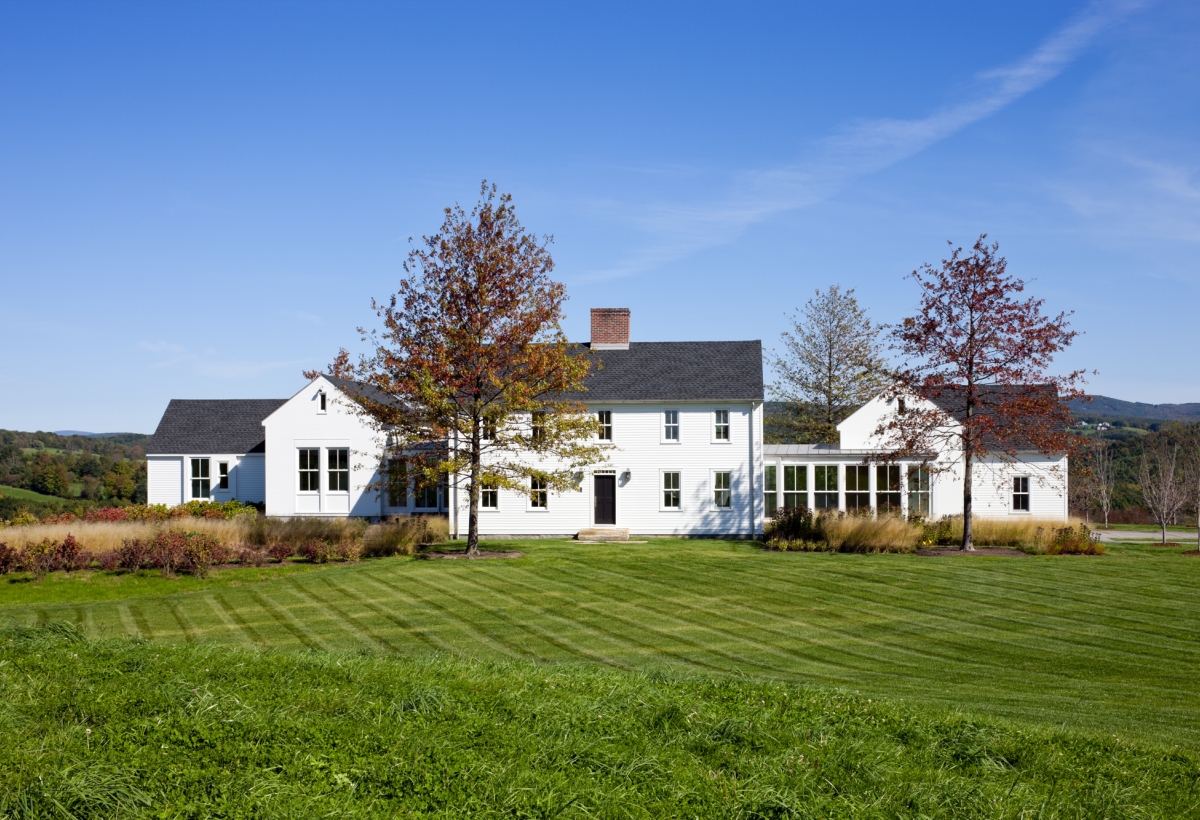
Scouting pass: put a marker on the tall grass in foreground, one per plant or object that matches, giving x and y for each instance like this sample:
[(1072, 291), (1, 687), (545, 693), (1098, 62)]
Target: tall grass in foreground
[(120, 728)]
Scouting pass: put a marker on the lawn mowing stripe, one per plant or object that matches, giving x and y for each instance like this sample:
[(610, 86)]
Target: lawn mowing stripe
[(740, 639), (921, 661), (283, 616), (364, 617), (642, 648), (309, 616), (468, 610), (558, 640), (709, 647), (347, 624), (232, 626), (1054, 612), (886, 598), (127, 621), (406, 628), (887, 594), (235, 615), (658, 648), (139, 618), (460, 619), (184, 625)]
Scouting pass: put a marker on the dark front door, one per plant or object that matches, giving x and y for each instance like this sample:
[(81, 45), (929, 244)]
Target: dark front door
[(606, 499)]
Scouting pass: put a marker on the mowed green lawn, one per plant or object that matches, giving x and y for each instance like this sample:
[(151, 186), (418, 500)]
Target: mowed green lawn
[(1109, 643)]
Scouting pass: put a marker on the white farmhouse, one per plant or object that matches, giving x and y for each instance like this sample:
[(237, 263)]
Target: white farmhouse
[(682, 424), (681, 421)]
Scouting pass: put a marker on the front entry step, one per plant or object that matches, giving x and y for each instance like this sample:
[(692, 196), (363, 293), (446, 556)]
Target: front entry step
[(603, 534)]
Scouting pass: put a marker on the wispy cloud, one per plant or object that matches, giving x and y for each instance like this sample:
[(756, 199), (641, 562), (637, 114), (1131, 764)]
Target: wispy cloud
[(858, 150)]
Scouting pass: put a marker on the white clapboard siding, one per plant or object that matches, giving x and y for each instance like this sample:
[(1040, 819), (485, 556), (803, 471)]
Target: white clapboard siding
[(638, 448), (164, 480), (250, 479)]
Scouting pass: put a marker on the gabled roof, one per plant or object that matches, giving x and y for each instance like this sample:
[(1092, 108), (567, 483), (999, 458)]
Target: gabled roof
[(677, 371), (232, 426), (352, 388)]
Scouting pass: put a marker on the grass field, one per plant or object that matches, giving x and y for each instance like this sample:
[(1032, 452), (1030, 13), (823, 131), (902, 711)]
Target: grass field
[(25, 495), (126, 728), (1110, 644)]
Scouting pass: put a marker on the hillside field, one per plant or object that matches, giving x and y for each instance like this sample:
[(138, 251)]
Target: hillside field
[(1107, 644)]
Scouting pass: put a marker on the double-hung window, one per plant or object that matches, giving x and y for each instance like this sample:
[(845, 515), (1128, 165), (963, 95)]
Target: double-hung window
[(604, 417), (489, 496), (537, 494), (339, 470), (310, 470), (487, 428), (397, 483), (1021, 493), (795, 486), (770, 489), (670, 488), (223, 475), (918, 491), (826, 485), (887, 489), (722, 490), (858, 488), (201, 483), (670, 425), (721, 425), (538, 426), (427, 495)]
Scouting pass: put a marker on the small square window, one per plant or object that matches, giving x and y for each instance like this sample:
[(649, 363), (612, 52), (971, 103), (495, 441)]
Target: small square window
[(1021, 494), (722, 490), (721, 425), (671, 496), (605, 419), (671, 425)]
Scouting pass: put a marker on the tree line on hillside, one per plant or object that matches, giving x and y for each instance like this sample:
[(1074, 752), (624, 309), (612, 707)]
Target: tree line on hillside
[(81, 479)]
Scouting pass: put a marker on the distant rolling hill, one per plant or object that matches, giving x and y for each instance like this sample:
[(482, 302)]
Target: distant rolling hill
[(1105, 408)]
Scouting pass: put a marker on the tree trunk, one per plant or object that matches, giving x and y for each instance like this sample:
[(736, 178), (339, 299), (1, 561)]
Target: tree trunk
[(968, 542), (473, 514), (1163, 524)]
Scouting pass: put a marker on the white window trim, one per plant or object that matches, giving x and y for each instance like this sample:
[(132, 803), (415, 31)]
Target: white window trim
[(712, 490), (483, 508), (228, 478), (1012, 494), (840, 492), (328, 483), (192, 464), (320, 455), (596, 411), (781, 484), (712, 426), (662, 425), (529, 502), (661, 490), (322, 403)]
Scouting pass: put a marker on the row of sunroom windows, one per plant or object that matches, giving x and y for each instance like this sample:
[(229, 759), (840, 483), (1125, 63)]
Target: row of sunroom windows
[(789, 486)]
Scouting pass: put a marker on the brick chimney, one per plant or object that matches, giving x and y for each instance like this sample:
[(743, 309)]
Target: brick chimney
[(610, 328)]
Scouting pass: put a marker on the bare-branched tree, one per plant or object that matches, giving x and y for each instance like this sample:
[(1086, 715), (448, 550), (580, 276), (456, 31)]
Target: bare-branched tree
[(1166, 487), (831, 364), (1101, 483)]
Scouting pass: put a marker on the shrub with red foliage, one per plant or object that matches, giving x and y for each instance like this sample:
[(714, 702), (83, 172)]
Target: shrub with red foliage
[(106, 514), (109, 560), (281, 552), (41, 558), (71, 555), (10, 558), (318, 552), (61, 518), (168, 550), (134, 554)]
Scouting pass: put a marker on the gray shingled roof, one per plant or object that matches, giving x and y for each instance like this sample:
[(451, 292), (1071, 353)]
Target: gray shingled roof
[(212, 426), (678, 371)]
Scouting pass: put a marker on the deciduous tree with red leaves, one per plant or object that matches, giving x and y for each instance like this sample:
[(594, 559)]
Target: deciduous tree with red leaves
[(472, 378), (976, 379)]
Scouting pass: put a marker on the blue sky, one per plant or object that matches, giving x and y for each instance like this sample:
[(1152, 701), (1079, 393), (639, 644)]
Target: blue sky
[(198, 200)]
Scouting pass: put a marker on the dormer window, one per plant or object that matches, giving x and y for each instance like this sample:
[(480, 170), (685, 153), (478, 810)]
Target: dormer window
[(320, 401)]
